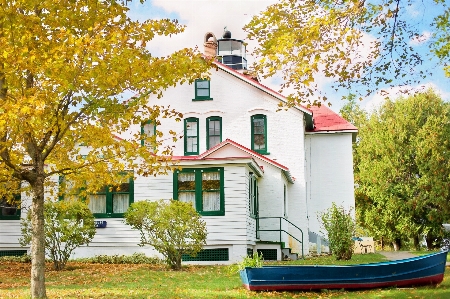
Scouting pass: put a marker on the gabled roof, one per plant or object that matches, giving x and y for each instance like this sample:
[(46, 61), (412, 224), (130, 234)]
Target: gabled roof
[(318, 119), (326, 120), (248, 154), (307, 112), (244, 149)]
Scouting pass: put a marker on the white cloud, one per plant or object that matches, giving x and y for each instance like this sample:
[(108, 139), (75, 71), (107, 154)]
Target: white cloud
[(420, 39), (375, 101), (200, 16)]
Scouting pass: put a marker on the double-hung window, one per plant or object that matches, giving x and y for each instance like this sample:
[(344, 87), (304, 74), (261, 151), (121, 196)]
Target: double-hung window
[(109, 202), (202, 90), (112, 201), (10, 208), (148, 133), (259, 133), (191, 136), (203, 188), (213, 131)]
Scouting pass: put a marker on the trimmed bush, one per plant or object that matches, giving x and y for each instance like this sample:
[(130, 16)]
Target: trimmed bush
[(172, 227)]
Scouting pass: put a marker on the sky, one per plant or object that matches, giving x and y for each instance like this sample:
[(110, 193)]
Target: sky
[(202, 16)]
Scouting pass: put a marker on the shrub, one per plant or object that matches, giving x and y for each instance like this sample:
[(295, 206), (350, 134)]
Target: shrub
[(173, 228), (255, 261), (68, 225), (26, 259), (340, 228), (135, 258)]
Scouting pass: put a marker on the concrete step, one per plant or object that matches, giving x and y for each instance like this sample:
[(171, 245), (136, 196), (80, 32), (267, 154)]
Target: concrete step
[(288, 255)]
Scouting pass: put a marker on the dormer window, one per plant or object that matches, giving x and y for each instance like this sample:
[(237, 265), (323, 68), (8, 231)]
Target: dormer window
[(202, 90)]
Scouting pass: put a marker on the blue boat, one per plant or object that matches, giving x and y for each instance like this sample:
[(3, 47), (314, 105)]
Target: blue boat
[(421, 270)]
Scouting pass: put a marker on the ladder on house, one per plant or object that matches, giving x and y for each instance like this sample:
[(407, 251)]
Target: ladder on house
[(280, 230)]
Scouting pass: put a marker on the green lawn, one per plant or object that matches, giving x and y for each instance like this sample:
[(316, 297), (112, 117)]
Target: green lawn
[(82, 280)]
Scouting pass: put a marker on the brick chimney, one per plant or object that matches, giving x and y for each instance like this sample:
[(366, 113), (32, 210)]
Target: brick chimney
[(210, 44)]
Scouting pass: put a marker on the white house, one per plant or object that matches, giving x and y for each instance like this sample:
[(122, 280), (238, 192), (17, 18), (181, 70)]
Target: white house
[(257, 176)]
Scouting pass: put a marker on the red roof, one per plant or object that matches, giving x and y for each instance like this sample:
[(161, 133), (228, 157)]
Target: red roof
[(326, 120), (204, 156), (245, 149)]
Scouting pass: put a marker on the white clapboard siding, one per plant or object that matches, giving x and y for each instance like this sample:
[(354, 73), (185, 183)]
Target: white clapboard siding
[(232, 226), (10, 234)]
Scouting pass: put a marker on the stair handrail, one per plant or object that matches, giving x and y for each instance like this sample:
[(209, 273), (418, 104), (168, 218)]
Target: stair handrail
[(280, 229)]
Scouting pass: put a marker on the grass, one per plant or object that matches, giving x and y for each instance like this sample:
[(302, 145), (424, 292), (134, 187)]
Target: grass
[(83, 280)]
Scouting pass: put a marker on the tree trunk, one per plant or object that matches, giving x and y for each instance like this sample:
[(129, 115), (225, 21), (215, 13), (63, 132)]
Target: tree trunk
[(397, 244), (430, 239), (38, 241), (416, 242)]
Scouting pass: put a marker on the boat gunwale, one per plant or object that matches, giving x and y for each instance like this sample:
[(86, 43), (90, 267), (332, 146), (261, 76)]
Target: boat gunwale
[(393, 262)]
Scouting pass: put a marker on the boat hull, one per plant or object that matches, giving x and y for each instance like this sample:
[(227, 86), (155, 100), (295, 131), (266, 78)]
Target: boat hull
[(421, 270)]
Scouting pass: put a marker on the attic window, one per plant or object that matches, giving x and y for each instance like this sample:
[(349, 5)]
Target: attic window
[(202, 90)]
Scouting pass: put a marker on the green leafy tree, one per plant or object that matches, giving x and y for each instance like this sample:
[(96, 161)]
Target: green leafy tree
[(63, 65), (366, 45), (340, 230), (404, 169), (352, 112), (68, 225), (173, 228)]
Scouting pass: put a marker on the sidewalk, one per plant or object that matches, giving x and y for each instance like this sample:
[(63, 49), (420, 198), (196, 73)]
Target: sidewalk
[(396, 255)]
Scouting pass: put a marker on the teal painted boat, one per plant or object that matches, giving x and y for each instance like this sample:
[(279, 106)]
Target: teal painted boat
[(421, 270)]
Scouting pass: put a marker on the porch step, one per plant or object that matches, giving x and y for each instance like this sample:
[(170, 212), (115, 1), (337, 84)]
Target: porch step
[(288, 254), (270, 254)]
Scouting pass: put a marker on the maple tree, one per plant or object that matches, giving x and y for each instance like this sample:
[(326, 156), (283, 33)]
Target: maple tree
[(403, 169), (359, 44), (63, 67)]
